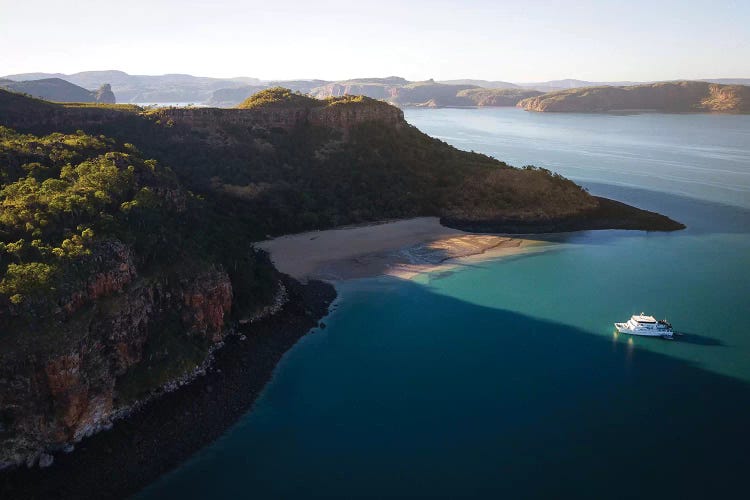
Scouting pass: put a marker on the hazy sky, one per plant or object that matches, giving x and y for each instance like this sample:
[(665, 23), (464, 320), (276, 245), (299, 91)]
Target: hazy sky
[(519, 40)]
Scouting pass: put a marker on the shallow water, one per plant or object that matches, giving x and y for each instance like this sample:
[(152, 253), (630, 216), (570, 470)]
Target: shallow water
[(505, 377)]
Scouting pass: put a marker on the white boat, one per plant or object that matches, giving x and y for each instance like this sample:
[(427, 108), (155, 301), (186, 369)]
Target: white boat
[(640, 324)]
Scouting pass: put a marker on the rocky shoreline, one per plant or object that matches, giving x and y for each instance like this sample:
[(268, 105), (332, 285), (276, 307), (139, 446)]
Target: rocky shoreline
[(609, 214), (168, 430)]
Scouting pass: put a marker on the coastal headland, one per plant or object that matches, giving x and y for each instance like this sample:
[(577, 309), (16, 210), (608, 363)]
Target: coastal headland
[(127, 261)]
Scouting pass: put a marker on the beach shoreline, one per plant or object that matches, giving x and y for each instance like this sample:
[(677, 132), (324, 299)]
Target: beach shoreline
[(402, 249)]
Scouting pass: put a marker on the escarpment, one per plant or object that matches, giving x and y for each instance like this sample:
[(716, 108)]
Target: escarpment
[(338, 113), (687, 96)]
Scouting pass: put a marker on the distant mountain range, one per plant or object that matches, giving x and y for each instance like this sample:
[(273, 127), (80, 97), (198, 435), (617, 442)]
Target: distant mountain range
[(59, 90), (147, 88), (229, 92)]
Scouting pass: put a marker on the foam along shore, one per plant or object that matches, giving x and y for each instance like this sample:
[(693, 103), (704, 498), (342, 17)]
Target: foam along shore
[(402, 248)]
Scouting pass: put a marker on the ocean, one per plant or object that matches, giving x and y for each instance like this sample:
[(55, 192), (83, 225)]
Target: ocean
[(504, 378)]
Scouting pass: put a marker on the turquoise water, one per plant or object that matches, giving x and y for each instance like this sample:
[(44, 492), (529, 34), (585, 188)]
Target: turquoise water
[(504, 378)]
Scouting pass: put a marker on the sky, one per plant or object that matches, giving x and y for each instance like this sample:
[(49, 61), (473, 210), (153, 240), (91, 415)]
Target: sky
[(517, 41)]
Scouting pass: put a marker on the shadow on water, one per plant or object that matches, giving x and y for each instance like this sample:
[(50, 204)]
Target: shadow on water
[(410, 393), (696, 339), (700, 216)]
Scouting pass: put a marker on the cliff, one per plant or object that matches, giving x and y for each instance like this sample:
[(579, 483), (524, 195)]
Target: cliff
[(280, 108), (114, 285), (104, 95), (59, 90), (687, 96), (91, 370)]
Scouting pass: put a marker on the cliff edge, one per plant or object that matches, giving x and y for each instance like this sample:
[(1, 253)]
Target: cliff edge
[(673, 97)]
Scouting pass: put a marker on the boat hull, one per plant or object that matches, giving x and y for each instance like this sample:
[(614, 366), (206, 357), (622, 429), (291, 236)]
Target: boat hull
[(624, 328)]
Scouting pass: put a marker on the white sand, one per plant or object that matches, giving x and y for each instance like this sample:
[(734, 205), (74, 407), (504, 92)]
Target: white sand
[(402, 248)]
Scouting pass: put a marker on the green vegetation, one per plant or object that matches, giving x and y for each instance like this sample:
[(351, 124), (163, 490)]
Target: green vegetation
[(278, 97), (64, 197), (496, 97), (166, 357), (131, 108), (60, 195), (176, 191)]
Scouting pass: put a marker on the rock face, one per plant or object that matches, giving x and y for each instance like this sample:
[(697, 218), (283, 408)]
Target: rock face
[(424, 94), (105, 95), (339, 115), (70, 386), (666, 96)]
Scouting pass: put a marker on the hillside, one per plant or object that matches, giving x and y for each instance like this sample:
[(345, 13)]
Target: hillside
[(496, 97), (59, 90), (126, 234), (684, 96), (424, 94), (228, 98), (147, 88), (486, 84)]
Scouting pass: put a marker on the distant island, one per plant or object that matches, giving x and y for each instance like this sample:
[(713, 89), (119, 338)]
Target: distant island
[(684, 96), (127, 260)]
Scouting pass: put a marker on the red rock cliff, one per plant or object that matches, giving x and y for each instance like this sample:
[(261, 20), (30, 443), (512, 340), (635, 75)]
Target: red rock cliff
[(67, 387)]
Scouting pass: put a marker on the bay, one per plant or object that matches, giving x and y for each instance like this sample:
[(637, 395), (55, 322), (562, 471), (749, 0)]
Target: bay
[(505, 377)]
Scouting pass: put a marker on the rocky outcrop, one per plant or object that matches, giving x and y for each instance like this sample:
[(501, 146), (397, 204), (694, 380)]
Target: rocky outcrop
[(684, 96), (339, 115), (105, 95), (67, 387), (207, 301)]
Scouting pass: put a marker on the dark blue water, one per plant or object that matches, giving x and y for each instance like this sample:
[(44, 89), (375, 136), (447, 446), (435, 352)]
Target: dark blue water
[(504, 378)]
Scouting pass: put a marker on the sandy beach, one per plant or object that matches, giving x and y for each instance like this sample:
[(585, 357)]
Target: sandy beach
[(401, 248)]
